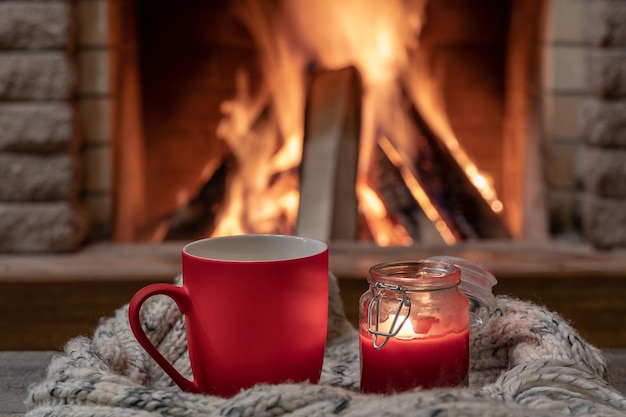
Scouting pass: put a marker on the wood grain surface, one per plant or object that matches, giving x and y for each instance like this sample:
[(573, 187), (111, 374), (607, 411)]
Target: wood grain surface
[(18, 370)]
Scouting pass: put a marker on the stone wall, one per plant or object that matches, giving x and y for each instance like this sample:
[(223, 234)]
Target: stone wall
[(602, 167), (38, 137)]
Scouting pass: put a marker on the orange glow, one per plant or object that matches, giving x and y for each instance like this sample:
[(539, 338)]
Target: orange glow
[(230, 219), (289, 156), (410, 179), (384, 231), (264, 129), (425, 94), (371, 202), (182, 196)]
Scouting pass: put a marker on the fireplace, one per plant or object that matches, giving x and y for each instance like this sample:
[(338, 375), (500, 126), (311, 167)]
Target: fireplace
[(244, 150), (145, 94)]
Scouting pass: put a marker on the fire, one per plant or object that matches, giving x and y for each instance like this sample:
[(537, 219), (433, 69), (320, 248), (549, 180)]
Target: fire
[(264, 129), (382, 228), (426, 97), (417, 191)]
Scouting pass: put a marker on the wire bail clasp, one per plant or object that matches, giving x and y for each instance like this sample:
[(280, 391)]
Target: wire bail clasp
[(373, 309)]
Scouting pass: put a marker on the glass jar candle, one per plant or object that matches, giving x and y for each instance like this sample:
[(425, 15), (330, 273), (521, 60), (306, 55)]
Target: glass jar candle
[(413, 327)]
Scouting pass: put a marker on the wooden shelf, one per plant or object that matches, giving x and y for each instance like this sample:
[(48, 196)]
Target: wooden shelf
[(47, 299)]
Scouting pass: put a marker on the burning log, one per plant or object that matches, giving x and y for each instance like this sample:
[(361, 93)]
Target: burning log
[(353, 111), (328, 206), (202, 210), (412, 186), (461, 203)]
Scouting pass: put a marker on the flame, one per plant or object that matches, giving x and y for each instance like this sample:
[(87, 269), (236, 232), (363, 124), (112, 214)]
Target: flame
[(264, 129), (288, 156), (410, 179), (426, 96), (384, 231), (406, 330)]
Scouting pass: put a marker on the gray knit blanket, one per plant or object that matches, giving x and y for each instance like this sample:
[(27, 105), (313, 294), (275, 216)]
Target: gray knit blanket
[(525, 361)]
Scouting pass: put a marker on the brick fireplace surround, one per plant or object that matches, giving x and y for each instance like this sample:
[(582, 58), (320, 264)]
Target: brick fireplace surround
[(55, 136)]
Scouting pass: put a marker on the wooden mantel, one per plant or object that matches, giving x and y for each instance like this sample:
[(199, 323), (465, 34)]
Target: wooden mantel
[(47, 299)]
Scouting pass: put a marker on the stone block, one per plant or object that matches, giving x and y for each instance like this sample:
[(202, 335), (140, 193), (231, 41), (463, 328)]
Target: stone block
[(28, 177), (35, 76), (96, 120), (603, 122), (41, 227), (604, 221), (94, 72), (564, 212), (35, 127), (34, 25), (93, 18), (560, 159), (607, 72), (564, 68), (603, 171), (100, 209), (565, 21), (98, 178), (561, 114), (606, 23)]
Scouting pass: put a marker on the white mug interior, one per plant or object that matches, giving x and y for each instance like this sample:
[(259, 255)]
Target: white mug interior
[(255, 248)]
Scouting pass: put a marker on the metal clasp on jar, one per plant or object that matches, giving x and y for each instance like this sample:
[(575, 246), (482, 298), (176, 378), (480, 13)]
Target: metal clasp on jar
[(373, 308)]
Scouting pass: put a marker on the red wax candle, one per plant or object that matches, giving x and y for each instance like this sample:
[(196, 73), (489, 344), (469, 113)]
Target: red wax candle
[(414, 327), (405, 364)]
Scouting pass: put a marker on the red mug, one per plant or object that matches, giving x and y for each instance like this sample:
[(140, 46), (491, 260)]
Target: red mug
[(256, 311)]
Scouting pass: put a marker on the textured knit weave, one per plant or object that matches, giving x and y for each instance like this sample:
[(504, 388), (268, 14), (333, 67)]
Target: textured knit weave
[(525, 361)]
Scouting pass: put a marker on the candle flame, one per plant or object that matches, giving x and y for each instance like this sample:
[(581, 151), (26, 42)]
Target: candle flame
[(405, 332)]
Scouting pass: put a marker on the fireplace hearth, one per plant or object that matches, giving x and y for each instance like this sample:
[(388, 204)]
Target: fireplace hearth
[(77, 109)]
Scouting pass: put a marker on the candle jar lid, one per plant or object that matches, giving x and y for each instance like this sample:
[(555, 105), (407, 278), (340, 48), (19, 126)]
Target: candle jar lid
[(476, 283)]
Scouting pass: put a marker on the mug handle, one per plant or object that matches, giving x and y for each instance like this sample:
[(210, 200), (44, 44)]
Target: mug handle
[(180, 297)]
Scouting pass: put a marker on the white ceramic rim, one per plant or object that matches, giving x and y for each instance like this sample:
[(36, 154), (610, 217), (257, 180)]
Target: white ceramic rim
[(255, 248)]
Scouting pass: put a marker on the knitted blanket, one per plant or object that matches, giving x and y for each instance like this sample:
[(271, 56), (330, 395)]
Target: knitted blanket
[(525, 361)]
